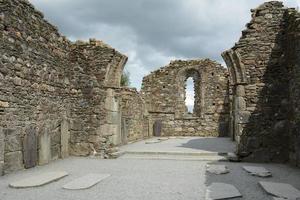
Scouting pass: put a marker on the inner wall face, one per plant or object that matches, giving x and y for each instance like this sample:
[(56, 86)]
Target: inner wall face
[(164, 94)]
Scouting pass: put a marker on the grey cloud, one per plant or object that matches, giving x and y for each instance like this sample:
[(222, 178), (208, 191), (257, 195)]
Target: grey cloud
[(151, 32)]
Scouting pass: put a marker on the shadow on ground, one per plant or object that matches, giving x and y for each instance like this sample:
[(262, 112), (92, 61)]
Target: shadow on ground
[(220, 145)]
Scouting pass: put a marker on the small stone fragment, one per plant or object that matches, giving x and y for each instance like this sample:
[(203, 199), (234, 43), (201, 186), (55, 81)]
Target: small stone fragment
[(232, 157), (282, 190), (257, 171), (221, 191), (217, 169)]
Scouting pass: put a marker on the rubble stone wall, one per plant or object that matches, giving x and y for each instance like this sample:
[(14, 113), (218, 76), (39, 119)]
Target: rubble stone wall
[(53, 93), (264, 77), (135, 118), (292, 64), (34, 82), (164, 94)]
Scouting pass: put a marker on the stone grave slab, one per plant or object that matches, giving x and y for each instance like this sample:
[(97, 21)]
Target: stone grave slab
[(217, 169), (152, 141), (65, 137), (45, 147), (163, 139), (157, 126), (85, 182), (30, 148), (221, 191), (281, 190), (257, 171), (38, 180)]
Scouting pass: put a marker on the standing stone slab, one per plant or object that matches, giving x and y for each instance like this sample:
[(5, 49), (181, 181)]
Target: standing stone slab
[(1, 152), (85, 182), (281, 190), (38, 180), (217, 169), (221, 191), (13, 161), (65, 137), (12, 140), (45, 147), (257, 171), (157, 128), (30, 148)]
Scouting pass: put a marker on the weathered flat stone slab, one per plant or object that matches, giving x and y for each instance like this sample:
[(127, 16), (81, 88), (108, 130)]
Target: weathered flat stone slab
[(152, 141), (217, 169), (163, 139), (85, 182), (30, 145), (281, 190), (39, 180), (221, 191), (257, 171)]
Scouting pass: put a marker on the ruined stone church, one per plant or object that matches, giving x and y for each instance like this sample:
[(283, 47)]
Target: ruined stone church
[(60, 98)]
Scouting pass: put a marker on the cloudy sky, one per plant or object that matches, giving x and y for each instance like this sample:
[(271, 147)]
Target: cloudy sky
[(153, 32)]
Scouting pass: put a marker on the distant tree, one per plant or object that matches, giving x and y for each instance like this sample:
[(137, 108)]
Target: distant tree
[(125, 79)]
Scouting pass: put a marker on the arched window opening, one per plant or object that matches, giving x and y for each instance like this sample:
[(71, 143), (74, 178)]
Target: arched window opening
[(190, 95)]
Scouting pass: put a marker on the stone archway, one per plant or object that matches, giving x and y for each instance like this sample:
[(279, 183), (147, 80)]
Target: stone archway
[(238, 82)]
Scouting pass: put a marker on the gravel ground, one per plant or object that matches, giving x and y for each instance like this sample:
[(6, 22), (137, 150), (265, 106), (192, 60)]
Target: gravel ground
[(130, 180), (150, 179), (144, 180)]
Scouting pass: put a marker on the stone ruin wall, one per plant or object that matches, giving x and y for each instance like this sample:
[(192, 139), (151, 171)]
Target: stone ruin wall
[(164, 94), (264, 81), (34, 84), (57, 97), (135, 125), (292, 64)]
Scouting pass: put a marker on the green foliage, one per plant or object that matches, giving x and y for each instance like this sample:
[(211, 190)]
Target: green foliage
[(125, 79)]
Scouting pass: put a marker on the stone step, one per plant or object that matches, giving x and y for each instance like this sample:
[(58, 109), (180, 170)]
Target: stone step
[(174, 153), (199, 156)]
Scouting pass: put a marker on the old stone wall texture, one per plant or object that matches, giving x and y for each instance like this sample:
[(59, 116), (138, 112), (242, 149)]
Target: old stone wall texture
[(164, 94), (60, 93), (292, 64), (264, 76), (134, 116)]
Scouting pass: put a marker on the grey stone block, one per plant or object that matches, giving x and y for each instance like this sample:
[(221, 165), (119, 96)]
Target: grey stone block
[(217, 169), (13, 161), (65, 138), (282, 190), (12, 140), (45, 147), (257, 171), (221, 191)]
